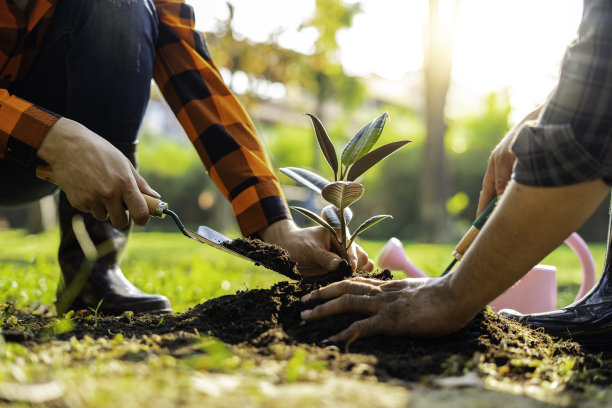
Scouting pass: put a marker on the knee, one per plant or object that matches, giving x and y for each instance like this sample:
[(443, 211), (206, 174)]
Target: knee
[(123, 28)]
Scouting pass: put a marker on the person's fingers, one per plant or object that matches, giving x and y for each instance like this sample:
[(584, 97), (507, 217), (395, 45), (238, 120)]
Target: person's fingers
[(137, 207), (503, 173), (353, 259), (393, 285), (117, 213), (143, 186), (488, 188), (325, 259), (375, 282), (364, 263), (370, 326), (346, 303), (340, 288), (98, 211)]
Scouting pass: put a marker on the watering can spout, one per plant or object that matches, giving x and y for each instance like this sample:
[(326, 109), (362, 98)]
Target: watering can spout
[(393, 257)]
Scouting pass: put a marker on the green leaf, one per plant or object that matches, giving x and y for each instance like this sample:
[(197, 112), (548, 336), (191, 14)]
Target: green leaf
[(370, 159), (364, 140), (367, 224), (331, 214), (306, 178), (342, 193), (327, 147), (318, 220)]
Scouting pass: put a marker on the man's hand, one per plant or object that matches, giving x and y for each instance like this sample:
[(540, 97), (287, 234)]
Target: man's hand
[(311, 248), (501, 161), (407, 307), (96, 177)]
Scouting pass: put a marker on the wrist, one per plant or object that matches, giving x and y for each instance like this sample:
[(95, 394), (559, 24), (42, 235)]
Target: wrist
[(52, 148), (276, 232), (460, 308)]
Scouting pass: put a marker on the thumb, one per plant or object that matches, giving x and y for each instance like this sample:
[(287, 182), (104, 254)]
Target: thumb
[(143, 186), (325, 259)]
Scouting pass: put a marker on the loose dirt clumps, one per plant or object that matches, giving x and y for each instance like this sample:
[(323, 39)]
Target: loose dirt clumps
[(270, 256), (260, 321)]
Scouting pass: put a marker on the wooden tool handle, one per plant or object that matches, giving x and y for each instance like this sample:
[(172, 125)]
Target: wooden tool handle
[(45, 173), (465, 242), (156, 206)]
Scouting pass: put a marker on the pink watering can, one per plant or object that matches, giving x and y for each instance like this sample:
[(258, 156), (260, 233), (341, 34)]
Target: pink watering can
[(535, 292)]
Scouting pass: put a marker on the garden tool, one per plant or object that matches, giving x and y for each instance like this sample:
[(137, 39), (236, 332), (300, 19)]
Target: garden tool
[(205, 235), (470, 235), (159, 209)]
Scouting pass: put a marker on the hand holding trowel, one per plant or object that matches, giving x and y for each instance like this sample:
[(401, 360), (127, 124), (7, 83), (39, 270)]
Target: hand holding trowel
[(206, 235)]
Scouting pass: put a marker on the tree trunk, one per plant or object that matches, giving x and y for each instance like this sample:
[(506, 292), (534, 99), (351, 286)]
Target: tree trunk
[(434, 180)]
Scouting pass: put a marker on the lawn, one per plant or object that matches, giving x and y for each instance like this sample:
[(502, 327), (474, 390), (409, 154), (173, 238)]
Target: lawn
[(116, 370)]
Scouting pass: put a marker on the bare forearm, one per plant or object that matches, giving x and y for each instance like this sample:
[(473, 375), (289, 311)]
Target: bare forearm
[(528, 224)]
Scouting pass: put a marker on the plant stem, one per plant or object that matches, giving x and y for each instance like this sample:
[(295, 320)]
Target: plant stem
[(343, 247)]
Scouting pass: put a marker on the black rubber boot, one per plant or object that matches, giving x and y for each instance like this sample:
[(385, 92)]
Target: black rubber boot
[(86, 282), (587, 321)]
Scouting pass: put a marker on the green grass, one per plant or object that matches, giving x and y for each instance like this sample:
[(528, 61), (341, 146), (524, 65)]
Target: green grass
[(189, 273), (143, 372)]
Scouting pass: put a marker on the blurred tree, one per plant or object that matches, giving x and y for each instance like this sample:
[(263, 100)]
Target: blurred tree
[(319, 73), (438, 49)]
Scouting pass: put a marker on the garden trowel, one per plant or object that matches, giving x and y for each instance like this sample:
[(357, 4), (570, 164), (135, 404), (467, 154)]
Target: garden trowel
[(159, 209), (205, 235)]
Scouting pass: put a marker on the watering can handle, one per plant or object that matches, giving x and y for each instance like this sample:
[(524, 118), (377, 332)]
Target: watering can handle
[(581, 249), (155, 205)]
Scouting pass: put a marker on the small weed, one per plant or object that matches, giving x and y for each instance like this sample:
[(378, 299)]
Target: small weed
[(95, 312)]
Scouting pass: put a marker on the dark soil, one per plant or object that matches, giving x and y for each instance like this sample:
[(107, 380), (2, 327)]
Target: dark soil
[(270, 256), (261, 320)]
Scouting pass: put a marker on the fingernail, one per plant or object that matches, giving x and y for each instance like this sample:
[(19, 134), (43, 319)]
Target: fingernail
[(325, 342), (305, 313), (306, 297), (156, 193), (334, 264)]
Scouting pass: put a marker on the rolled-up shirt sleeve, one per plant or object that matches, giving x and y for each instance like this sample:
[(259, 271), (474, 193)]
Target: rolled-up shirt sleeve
[(572, 140)]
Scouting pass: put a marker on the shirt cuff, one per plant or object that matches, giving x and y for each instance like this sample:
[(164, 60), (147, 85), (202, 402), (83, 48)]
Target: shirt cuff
[(255, 208), (549, 155), (23, 127)]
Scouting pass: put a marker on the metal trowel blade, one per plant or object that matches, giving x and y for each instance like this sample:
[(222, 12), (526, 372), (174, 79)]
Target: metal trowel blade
[(215, 239), (212, 235)]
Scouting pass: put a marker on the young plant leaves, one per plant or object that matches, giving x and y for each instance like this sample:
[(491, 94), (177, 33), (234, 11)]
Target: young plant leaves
[(327, 147), (370, 159), (331, 214), (364, 140), (365, 225), (306, 178), (318, 220), (342, 193)]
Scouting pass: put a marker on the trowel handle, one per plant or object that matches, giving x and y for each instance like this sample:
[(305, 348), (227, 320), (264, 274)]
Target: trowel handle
[(44, 172), (156, 206), (471, 234)]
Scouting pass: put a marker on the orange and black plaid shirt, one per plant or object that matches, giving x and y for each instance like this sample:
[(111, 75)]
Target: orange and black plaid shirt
[(214, 120)]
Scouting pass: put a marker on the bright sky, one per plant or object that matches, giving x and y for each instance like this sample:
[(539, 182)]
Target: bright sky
[(513, 44)]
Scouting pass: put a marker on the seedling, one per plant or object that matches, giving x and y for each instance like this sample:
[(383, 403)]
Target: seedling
[(357, 157), (96, 312)]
